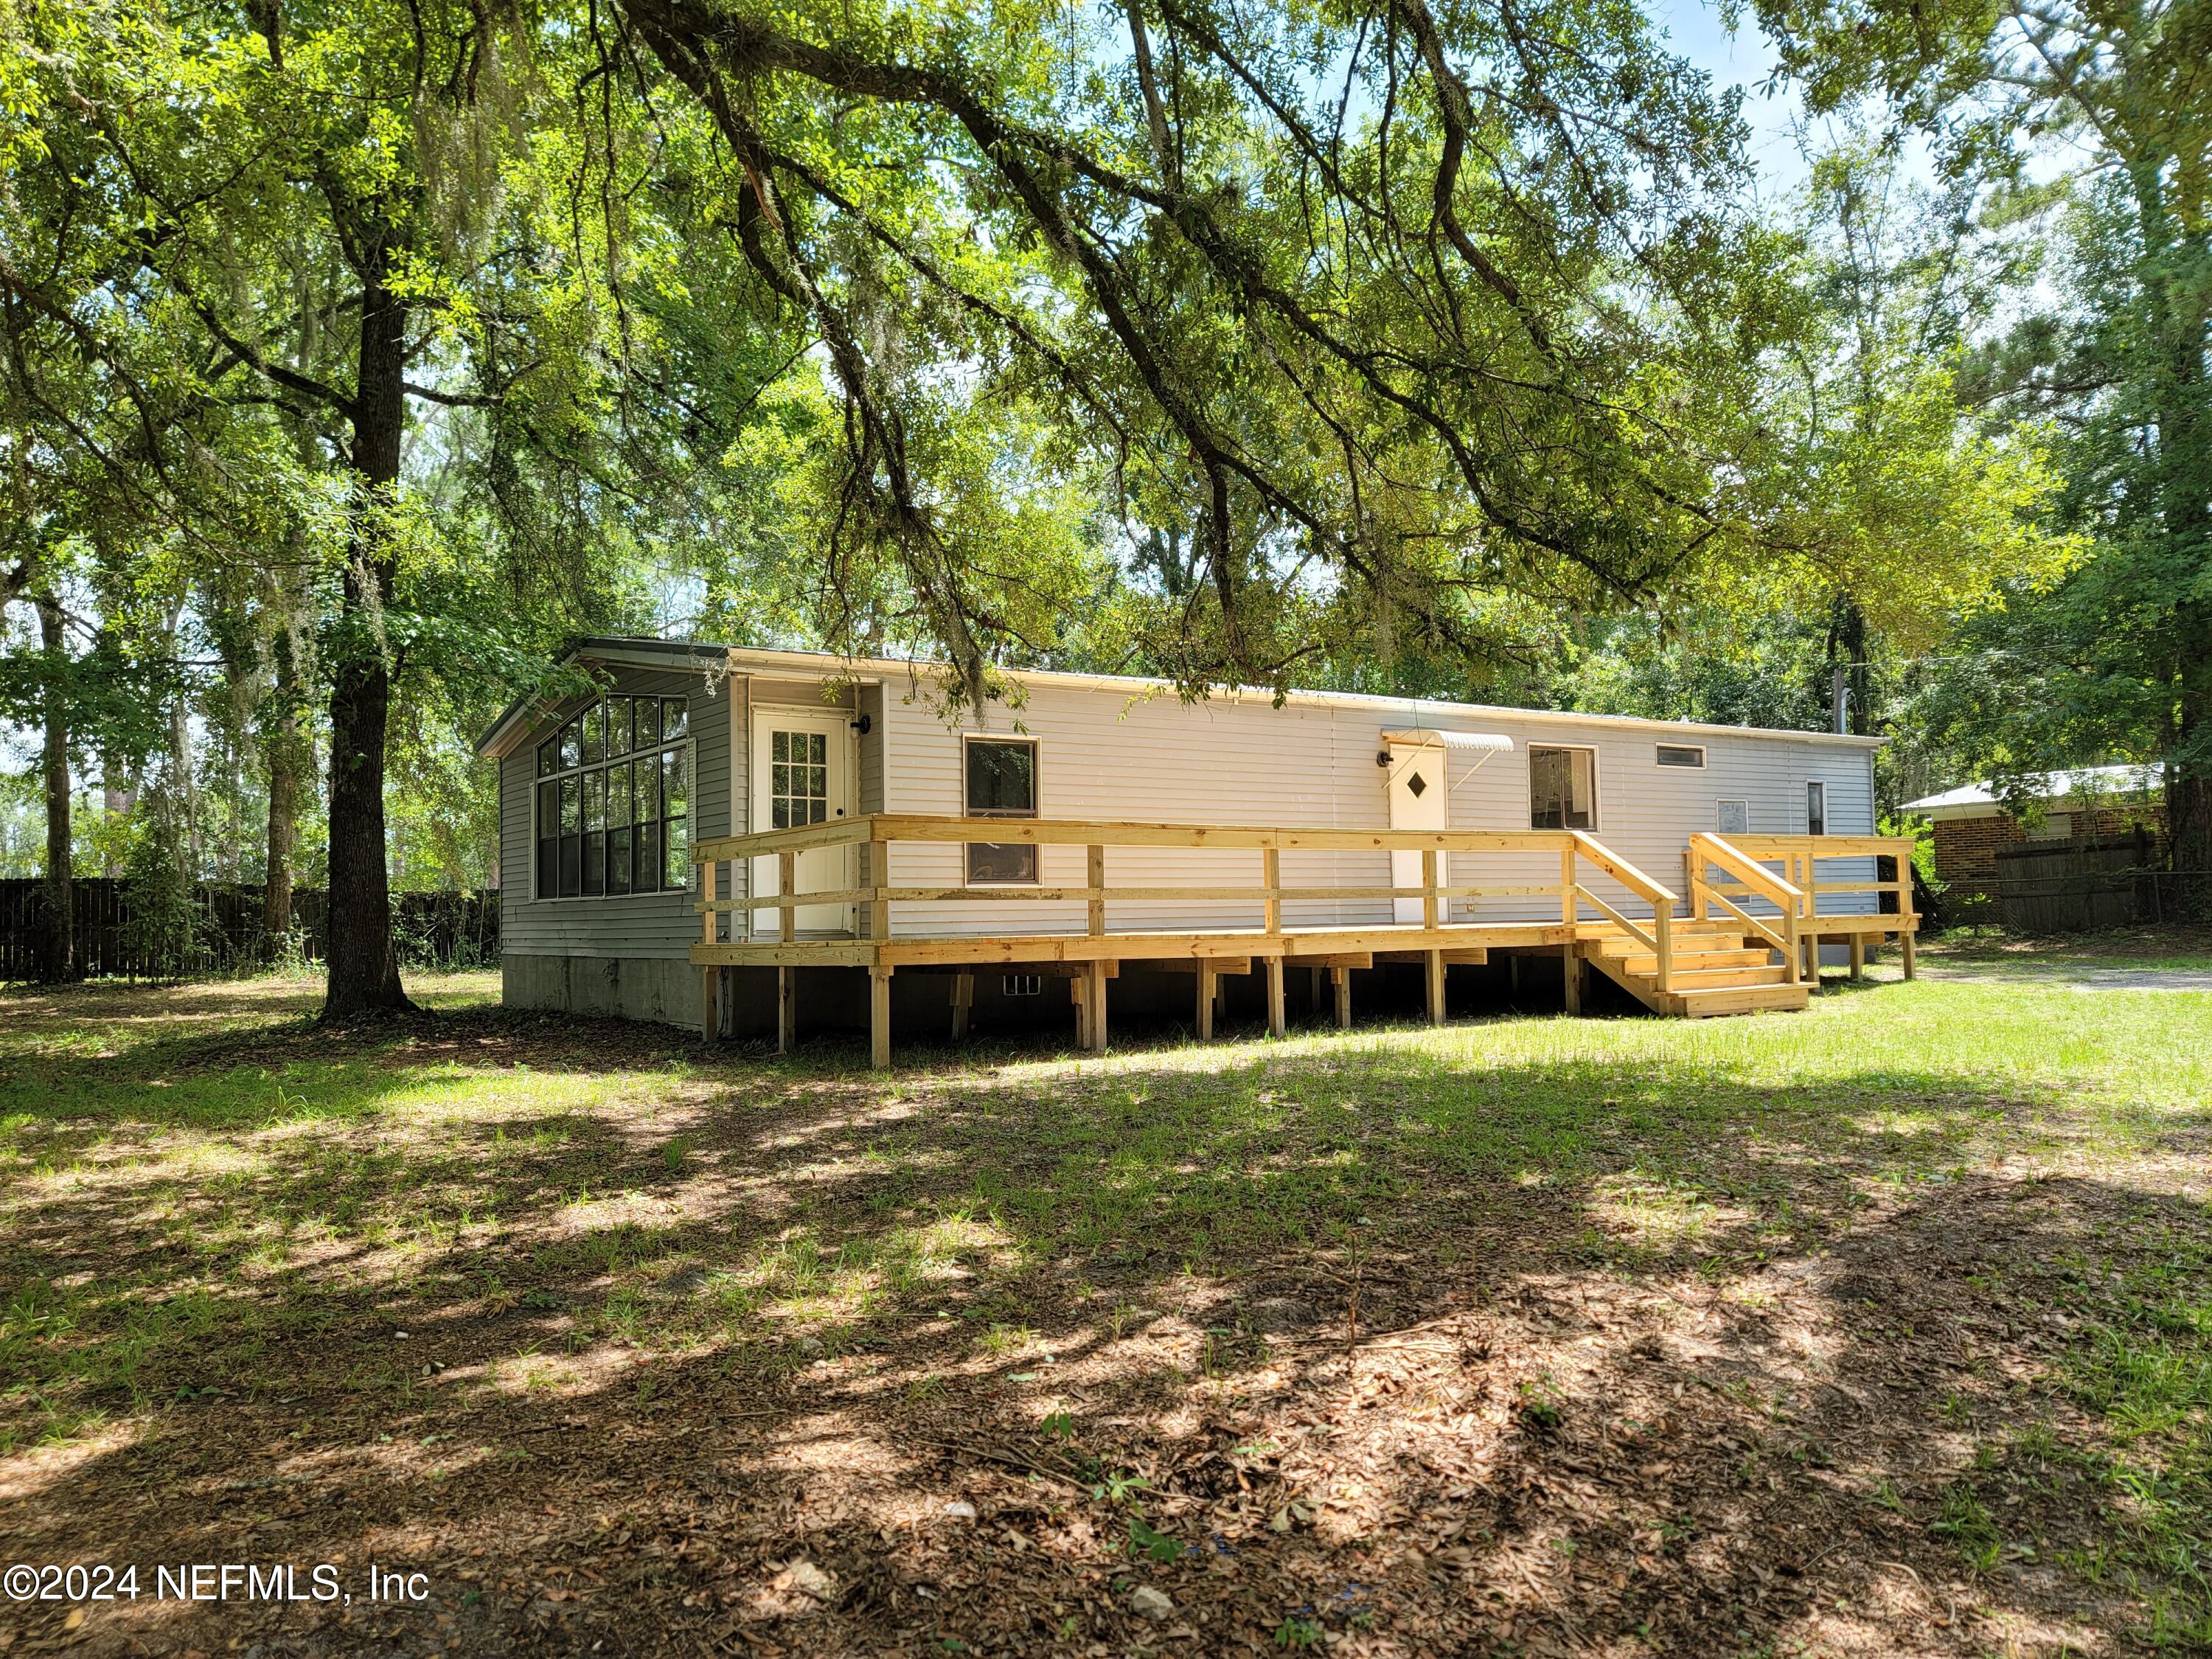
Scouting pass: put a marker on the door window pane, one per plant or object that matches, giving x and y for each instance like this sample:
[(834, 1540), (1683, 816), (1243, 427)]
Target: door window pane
[(1562, 788), (797, 780), (617, 726)]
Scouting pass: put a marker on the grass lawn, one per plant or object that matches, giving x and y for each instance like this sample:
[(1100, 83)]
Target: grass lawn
[(1883, 1328)]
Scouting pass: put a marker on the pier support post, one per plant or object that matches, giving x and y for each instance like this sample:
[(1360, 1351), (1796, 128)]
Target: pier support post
[(963, 999), (1209, 989), (786, 1009), (1571, 967), (1858, 955), (1433, 969), (880, 1018), (1275, 1022), (1343, 978)]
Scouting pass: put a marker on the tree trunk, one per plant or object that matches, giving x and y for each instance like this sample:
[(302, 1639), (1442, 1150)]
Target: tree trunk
[(58, 956), (285, 766), (363, 970)]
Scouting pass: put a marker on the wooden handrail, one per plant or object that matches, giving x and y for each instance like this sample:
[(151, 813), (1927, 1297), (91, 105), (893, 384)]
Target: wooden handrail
[(1102, 832), (1620, 869), (1706, 849)]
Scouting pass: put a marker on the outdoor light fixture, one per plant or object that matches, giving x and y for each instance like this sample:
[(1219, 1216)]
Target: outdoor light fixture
[(863, 724), (1382, 758)]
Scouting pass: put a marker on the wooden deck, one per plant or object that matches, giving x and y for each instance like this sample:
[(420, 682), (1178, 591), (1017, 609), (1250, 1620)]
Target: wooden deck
[(1748, 940)]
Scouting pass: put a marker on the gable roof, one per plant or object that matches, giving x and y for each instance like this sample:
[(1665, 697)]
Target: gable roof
[(704, 658)]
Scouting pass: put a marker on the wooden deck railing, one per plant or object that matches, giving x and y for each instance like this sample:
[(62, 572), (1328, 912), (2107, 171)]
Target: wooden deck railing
[(877, 831), (1796, 890)]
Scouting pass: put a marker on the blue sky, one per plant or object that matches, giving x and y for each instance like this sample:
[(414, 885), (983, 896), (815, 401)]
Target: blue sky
[(1695, 31)]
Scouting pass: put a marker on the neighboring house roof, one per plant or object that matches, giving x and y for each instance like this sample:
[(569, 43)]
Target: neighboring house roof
[(703, 658), (1981, 799)]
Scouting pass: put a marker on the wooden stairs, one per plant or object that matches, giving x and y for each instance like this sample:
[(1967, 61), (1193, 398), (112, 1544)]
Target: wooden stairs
[(1714, 973)]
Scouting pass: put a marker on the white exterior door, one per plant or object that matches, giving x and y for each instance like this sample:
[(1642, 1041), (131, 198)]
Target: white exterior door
[(803, 772), (1420, 799)]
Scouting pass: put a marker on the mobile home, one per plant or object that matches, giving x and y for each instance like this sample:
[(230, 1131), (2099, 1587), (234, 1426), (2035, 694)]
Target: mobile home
[(752, 841)]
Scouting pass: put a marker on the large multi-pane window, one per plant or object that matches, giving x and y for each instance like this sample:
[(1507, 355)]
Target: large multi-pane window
[(613, 798)]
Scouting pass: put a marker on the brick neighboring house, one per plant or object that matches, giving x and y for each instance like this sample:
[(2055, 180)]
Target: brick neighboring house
[(1970, 823)]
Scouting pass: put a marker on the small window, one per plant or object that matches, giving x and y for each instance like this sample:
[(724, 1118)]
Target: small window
[(1732, 817), (1002, 783), (2052, 826), (1562, 788), (1690, 755), (1816, 809)]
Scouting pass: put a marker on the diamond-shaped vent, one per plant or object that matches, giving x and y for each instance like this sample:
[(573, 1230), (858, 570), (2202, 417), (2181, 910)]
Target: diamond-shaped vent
[(1418, 785)]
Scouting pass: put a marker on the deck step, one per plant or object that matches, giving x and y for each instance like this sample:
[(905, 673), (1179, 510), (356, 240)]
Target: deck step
[(1737, 1000), (1693, 944), (1701, 979), (1698, 961)]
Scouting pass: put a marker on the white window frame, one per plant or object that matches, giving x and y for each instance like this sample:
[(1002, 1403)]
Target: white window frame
[(1697, 748), (691, 748), (1036, 811), (1811, 785), (1597, 784)]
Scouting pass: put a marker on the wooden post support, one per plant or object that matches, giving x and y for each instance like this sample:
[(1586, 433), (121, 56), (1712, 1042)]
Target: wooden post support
[(1662, 920), (879, 876), (1429, 887), (1271, 859), (710, 1010), (707, 904), (963, 999), (786, 1009), (1097, 884), (1342, 976), (879, 1018), (1858, 955), (1208, 989), (1078, 992), (1567, 906), (1434, 963), (1275, 1023), (1097, 980), (1905, 938), (787, 913), (1570, 966)]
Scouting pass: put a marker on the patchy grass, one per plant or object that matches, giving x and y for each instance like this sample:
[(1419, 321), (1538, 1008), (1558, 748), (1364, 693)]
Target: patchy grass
[(1885, 1328)]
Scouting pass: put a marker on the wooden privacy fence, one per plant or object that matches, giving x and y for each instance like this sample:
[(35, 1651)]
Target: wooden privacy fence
[(2079, 885), (113, 936)]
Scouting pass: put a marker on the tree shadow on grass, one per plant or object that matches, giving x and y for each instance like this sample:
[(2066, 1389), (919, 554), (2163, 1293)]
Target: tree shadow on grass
[(1428, 1353)]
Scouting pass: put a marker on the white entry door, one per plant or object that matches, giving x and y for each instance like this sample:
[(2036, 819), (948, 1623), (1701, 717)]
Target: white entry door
[(1420, 799), (803, 768)]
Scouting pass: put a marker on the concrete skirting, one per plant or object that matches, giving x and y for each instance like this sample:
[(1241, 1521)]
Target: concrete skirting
[(623, 988)]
